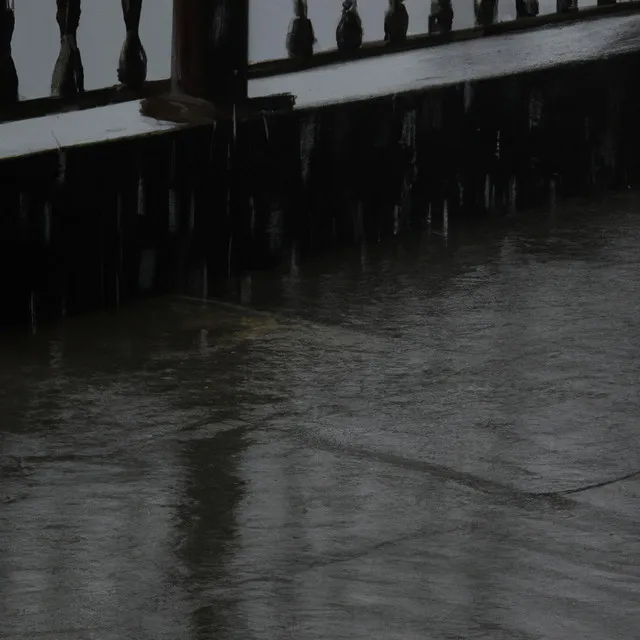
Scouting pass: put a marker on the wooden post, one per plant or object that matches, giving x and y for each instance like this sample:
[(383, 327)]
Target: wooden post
[(209, 57)]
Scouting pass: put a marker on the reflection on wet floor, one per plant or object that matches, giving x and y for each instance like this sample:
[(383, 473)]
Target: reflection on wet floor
[(354, 455)]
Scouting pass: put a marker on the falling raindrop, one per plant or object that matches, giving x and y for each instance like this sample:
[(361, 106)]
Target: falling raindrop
[(235, 124), (363, 257), (245, 290), (213, 139), (205, 280), (275, 228), (553, 191), (142, 201), (192, 211), (294, 260), (487, 191), (24, 209), (173, 210), (535, 110), (119, 209), (468, 96), (47, 223), (445, 219), (204, 341), (252, 220), (62, 165), (359, 220), (32, 312), (307, 142), (119, 230), (56, 353), (513, 192)]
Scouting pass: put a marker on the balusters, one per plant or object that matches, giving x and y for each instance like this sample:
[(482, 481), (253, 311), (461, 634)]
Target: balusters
[(349, 31), (301, 36), (132, 65), (68, 74), (564, 6), (441, 16), (8, 74), (527, 8), (486, 12), (396, 22)]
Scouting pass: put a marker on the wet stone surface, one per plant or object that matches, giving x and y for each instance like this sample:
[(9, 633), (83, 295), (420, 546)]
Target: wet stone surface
[(354, 455)]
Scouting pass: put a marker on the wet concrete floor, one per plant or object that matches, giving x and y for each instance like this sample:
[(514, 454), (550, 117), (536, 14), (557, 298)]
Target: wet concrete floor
[(379, 445)]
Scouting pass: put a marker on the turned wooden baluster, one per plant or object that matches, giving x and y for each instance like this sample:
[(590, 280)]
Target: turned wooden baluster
[(396, 22), (132, 66), (564, 6), (68, 74), (527, 8), (300, 37), (486, 12), (8, 74), (349, 31), (441, 16)]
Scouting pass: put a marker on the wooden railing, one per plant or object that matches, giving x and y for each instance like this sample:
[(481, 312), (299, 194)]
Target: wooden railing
[(68, 73), (440, 31), (190, 43)]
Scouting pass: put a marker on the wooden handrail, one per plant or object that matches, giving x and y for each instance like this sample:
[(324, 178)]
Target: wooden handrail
[(282, 66), (41, 107)]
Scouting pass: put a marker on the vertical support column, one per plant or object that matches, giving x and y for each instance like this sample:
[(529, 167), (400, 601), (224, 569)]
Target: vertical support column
[(210, 49), (8, 74)]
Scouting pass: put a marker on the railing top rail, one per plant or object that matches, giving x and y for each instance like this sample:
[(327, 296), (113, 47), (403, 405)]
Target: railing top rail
[(68, 92)]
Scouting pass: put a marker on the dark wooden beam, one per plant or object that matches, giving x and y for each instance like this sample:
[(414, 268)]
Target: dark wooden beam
[(423, 41), (155, 89), (41, 107)]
